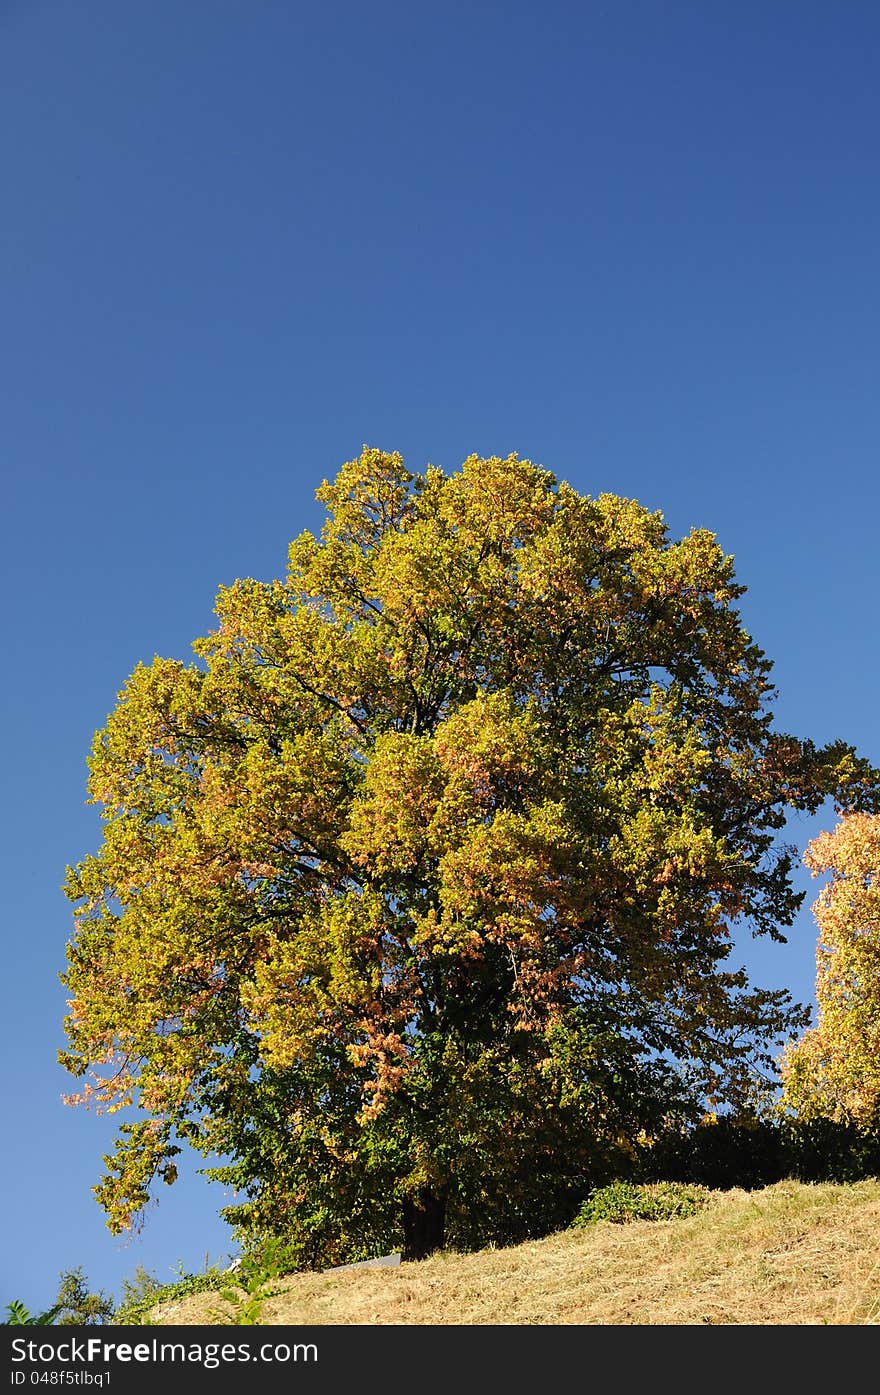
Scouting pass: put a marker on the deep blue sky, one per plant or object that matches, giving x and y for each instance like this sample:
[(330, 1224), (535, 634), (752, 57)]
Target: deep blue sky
[(635, 242)]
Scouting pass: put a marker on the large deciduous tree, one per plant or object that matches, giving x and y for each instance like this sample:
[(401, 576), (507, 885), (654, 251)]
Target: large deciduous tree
[(416, 889), (833, 1072)]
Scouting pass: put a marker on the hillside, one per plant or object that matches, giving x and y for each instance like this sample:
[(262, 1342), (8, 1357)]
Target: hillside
[(789, 1254)]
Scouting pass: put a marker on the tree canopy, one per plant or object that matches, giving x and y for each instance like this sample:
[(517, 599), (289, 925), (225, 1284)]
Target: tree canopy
[(833, 1072), (416, 891)]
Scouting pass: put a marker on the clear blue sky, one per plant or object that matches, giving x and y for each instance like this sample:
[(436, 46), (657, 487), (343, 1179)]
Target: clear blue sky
[(635, 242)]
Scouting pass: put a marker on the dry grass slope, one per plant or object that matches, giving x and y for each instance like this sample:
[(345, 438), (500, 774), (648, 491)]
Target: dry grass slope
[(790, 1254)]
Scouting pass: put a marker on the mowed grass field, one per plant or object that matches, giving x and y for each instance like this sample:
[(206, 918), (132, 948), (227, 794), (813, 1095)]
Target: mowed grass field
[(791, 1253)]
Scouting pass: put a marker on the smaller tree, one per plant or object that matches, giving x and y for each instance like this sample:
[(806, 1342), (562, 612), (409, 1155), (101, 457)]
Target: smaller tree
[(140, 1289), (833, 1071), (76, 1306)]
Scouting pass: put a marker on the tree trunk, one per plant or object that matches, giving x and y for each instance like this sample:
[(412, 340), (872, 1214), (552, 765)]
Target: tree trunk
[(424, 1224)]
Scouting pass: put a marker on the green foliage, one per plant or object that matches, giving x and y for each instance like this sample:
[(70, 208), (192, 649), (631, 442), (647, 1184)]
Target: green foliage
[(74, 1305), (257, 1276), (145, 1292), (416, 890), (827, 1150), (628, 1201), (728, 1151), (18, 1315), (139, 1295), (246, 1311), (750, 1152)]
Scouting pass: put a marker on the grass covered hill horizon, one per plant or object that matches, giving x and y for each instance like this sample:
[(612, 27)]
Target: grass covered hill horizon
[(793, 1253)]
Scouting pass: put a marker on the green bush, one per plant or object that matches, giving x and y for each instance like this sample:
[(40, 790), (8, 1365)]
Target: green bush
[(752, 1152), (625, 1201)]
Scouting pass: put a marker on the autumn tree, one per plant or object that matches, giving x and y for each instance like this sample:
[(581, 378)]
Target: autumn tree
[(833, 1072), (416, 889)]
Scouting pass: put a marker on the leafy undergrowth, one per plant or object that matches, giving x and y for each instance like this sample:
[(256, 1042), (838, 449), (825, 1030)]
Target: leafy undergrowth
[(628, 1201), (789, 1254)]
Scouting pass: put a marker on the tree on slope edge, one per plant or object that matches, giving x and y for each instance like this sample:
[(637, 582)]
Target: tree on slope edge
[(416, 889), (833, 1071)]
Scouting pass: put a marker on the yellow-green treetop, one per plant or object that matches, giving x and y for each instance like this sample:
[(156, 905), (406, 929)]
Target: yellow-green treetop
[(833, 1072), (416, 889)]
